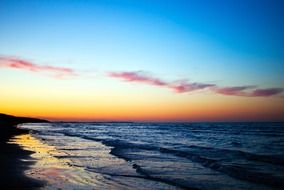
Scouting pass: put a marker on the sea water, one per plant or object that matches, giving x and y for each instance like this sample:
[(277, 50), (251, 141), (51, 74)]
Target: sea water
[(128, 155)]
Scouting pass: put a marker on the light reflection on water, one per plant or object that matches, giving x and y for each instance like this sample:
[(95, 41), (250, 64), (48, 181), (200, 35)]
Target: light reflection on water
[(160, 155), (58, 170), (57, 173)]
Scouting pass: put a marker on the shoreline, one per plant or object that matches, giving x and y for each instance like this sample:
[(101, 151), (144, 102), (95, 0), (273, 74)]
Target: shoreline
[(12, 156)]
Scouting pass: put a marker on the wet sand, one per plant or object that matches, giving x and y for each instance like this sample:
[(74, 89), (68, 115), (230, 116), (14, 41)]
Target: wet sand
[(12, 156), (12, 166), (62, 165), (56, 173), (28, 163)]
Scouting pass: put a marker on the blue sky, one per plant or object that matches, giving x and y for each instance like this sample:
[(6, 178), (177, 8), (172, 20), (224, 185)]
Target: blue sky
[(227, 54), (230, 42), (200, 40)]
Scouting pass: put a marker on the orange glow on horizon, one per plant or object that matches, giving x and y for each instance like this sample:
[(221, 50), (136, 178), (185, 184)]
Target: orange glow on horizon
[(241, 110), (70, 101)]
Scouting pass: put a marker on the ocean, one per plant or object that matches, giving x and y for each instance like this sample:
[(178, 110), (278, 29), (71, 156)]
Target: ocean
[(118, 155)]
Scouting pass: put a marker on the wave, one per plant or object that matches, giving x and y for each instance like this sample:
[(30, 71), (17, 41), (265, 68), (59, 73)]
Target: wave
[(231, 170), (213, 158)]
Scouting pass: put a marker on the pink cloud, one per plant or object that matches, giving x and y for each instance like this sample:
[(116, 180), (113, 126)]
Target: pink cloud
[(16, 63), (248, 91), (184, 86), (235, 90), (178, 86), (138, 77), (181, 86), (266, 92)]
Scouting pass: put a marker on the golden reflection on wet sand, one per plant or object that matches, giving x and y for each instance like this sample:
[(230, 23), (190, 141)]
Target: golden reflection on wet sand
[(57, 173), (74, 163)]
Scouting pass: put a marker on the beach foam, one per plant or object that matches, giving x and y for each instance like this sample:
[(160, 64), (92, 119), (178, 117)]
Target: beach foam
[(166, 156)]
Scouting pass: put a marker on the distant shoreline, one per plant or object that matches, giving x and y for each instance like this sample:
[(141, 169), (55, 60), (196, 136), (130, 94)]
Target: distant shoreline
[(12, 167)]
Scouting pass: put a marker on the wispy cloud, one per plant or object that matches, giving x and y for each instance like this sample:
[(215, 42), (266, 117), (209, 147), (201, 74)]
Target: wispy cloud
[(17, 63), (248, 91), (235, 90), (141, 77), (266, 92), (183, 86), (137, 77), (179, 86)]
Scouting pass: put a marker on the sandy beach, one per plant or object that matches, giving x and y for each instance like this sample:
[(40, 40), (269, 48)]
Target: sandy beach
[(12, 156)]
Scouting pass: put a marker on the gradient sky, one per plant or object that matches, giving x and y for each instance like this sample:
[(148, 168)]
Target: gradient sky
[(143, 60)]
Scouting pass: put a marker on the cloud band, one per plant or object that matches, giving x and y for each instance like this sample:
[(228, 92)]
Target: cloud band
[(15, 63), (185, 86)]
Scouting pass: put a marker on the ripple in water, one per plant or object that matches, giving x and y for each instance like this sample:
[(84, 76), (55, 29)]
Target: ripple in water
[(157, 156)]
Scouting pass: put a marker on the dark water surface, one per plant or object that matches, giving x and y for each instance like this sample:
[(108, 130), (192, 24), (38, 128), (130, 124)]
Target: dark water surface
[(169, 155)]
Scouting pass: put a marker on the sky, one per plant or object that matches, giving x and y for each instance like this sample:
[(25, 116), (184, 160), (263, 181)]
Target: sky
[(146, 60)]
